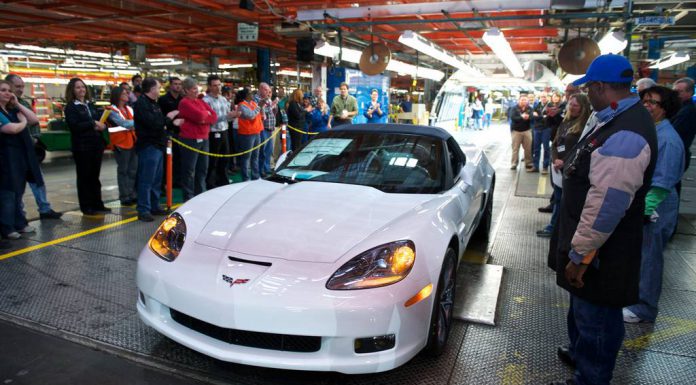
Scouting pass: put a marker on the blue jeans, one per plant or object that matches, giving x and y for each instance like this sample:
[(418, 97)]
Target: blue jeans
[(194, 167), (266, 152), (40, 197), (655, 238), (150, 168), (477, 122), (487, 120), (249, 160), (541, 140), (596, 333), (557, 192)]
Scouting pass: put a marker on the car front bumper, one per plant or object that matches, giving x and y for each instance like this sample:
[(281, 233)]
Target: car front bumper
[(274, 304)]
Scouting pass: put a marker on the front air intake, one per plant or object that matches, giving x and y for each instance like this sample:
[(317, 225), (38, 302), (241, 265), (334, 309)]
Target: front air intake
[(271, 341)]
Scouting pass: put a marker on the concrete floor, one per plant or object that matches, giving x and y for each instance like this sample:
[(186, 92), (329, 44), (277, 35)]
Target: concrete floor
[(82, 290), (32, 357)]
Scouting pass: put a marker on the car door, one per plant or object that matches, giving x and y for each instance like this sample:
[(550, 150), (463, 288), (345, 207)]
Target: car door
[(468, 195)]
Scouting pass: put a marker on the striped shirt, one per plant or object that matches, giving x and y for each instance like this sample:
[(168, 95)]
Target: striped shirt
[(269, 117)]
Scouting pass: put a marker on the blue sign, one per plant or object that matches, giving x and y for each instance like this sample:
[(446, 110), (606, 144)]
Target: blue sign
[(361, 86), (655, 20)]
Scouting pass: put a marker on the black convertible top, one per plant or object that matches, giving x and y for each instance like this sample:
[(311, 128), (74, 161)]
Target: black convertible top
[(396, 128)]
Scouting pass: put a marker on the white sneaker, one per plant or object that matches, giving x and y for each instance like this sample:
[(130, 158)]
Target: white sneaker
[(13, 235), (28, 229), (630, 317)]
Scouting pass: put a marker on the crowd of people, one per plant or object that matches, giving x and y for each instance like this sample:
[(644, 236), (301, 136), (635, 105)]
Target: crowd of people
[(214, 133), (477, 115), (616, 158)]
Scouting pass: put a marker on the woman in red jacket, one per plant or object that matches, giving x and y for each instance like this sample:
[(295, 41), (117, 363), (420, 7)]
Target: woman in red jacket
[(197, 116)]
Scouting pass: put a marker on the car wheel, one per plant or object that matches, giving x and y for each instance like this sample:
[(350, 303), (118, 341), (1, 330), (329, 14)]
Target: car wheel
[(443, 306), (483, 229)]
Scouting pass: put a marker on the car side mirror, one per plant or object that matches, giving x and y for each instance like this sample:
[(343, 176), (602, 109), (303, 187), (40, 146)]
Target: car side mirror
[(281, 159)]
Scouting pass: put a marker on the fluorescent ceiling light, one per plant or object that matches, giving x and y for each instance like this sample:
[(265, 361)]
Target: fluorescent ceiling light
[(166, 63), (495, 39), (423, 45), (294, 73), (671, 60), (230, 66), (352, 55), (68, 52), (160, 59), (62, 81), (348, 54), (76, 68), (613, 42)]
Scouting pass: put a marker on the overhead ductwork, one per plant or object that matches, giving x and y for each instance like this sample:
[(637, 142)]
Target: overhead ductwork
[(450, 7)]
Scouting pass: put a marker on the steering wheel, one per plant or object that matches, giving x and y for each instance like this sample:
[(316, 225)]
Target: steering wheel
[(421, 171), (373, 162)]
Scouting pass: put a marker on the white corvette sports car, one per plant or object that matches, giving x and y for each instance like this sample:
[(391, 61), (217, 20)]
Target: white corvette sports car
[(343, 260)]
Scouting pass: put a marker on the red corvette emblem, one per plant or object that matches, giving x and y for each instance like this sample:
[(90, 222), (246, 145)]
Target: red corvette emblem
[(233, 281)]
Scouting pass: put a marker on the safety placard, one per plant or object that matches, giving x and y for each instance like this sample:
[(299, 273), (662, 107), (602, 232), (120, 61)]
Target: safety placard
[(247, 32)]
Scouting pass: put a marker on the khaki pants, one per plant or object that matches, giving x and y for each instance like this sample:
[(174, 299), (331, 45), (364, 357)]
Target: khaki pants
[(523, 138), (277, 147)]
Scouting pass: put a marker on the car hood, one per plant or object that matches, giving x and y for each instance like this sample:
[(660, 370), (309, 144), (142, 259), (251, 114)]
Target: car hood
[(306, 221)]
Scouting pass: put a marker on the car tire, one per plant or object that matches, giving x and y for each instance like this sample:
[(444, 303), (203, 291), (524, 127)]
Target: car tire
[(483, 229), (443, 306)]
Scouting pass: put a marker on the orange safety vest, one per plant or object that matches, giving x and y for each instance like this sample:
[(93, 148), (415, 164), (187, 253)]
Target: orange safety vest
[(124, 140), (250, 127)]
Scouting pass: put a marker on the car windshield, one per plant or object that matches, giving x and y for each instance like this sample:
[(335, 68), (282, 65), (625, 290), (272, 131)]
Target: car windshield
[(394, 163)]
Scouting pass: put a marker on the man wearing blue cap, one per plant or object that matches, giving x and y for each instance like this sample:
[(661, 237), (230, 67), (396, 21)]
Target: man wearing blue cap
[(596, 248)]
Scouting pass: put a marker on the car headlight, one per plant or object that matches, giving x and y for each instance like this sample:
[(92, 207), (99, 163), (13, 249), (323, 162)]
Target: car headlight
[(169, 238), (380, 266)]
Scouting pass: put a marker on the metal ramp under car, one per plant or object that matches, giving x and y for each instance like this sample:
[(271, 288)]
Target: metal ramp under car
[(478, 287)]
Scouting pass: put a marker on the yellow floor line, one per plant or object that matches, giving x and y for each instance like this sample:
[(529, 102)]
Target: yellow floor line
[(67, 238), (543, 182), (475, 257), (70, 237)]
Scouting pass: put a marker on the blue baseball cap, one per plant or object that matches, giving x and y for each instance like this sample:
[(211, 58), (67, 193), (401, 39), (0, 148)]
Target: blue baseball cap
[(608, 68)]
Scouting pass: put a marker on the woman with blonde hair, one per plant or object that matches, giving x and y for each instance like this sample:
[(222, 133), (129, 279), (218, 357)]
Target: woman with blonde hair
[(567, 136)]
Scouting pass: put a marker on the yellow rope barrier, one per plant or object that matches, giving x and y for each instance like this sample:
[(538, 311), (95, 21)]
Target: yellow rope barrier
[(186, 146), (300, 131)]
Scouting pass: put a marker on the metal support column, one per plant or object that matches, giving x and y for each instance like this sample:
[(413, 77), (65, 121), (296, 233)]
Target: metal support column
[(628, 11), (263, 65)]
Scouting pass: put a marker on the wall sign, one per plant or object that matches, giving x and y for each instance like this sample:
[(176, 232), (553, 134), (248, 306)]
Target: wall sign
[(247, 32)]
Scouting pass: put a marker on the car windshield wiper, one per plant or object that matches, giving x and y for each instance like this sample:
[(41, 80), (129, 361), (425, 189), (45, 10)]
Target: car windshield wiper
[(281, 179)]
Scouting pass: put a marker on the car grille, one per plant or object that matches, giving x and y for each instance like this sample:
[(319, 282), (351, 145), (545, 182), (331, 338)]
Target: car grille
[(282, 342)]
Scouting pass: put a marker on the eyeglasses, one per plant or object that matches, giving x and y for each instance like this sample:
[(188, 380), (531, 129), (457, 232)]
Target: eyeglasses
[(584, 88), (652, 102)]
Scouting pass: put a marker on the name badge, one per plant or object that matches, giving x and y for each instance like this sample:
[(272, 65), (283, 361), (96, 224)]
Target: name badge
[(199, 140), (217, 135), (560, 148)]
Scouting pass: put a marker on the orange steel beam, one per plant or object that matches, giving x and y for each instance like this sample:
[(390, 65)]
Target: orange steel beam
[(210, 4), (239, 15), (73, 20)]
